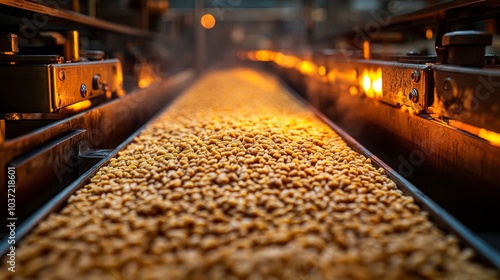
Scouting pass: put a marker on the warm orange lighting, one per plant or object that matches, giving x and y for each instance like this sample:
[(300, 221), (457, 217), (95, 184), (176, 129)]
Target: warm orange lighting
[(367, 84), (371, 83), (463, 126), (77, 107), (408, 109), (307, 67), (251, 56), (377, 83), (207, 21), (279, 58), (258, 80), (332, 76), (366, 50), (490, 136), (146, 76), (285, 61), (290, 61), (429, 34), (322, 70), (353, 90), (264, 55)]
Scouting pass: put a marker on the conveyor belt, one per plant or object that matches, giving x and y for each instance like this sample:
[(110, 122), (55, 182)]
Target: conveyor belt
[(238, 180)]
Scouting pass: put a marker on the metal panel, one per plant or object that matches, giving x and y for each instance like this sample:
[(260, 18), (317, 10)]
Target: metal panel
[(45, 88), (469, 95), (98, 77)]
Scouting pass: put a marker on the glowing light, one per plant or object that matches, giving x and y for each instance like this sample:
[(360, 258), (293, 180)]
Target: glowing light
[(147, 76), (408, 109), (429, 34), (366, 50), (258, 80), (492, 137), (207, 21), (251, 56), (291, 61), (465, 127), (353, 90), (488, 135), (278, 58), (264, 55), (371, 83), (307, 67), (332, 76), (77, 107), (285, 61), (322, 70), (367, 83), (377, 83)]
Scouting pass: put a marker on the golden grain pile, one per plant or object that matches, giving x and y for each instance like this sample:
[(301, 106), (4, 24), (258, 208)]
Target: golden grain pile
[(238, 180)]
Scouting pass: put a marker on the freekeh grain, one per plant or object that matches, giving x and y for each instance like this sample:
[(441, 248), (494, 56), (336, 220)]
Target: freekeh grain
[(238, 180)]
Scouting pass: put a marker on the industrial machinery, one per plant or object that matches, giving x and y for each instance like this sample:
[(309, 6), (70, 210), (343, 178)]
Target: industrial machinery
[(411, 87)]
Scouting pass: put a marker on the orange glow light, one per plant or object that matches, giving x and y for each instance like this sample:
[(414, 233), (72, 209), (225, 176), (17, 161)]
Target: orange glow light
[(289, 61), (322, 70), (264, 55), (332, 76), (491, 136), (207, 21), (307, 68), (377, 83), (77, 107), (366, 83), (371, 83), (366, 50), (146, 76), (488, 135), (429, 34), (353, 90)]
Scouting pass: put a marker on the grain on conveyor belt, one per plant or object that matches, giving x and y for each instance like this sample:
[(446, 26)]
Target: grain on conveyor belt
[(239, 180)]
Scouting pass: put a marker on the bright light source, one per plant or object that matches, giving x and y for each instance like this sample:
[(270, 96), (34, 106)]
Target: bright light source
[(367, 83), (332, 76), (307, 68), (77, 107), (322, 70), (491, 136), (377, 83), (366, 49), (207, 21), (371, 83), (263, 55), (353, 90), (429, 34)]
